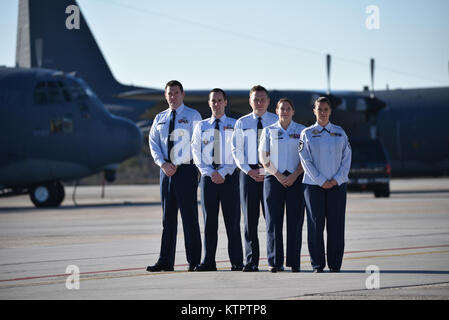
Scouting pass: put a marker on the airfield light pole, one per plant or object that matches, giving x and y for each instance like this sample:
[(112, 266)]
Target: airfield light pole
[(328, 69)]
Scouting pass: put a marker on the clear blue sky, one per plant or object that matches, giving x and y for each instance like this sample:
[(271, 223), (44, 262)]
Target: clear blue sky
[(281, 44)]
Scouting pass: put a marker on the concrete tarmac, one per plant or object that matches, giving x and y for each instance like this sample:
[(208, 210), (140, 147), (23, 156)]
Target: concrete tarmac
[(110, 241)]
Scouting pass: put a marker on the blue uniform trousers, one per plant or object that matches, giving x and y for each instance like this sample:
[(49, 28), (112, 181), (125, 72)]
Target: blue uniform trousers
[(251, 198), (276, 197), (180, 192), (326, 207), (227, 194)]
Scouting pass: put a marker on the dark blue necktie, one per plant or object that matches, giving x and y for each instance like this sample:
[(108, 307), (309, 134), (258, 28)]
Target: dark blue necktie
[(171, 130), (216, 154), (259, 133)]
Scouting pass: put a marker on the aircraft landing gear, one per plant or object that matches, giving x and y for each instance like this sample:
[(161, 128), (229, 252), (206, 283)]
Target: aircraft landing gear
[(46, 195)]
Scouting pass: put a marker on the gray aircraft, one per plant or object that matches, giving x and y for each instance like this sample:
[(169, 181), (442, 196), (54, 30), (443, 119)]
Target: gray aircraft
[(409, 123), (53, 128)]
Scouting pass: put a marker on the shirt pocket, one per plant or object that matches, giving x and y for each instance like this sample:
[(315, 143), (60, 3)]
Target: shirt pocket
[(162, 130), (339, 143)]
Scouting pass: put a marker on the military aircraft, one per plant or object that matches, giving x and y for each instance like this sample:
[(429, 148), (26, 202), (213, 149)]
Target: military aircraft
[(53, 128), (410, 123)]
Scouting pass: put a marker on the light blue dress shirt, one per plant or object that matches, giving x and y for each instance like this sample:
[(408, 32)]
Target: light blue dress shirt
[(282, 145), (186, 119), (244, 140), (203, 144), (325, 154)]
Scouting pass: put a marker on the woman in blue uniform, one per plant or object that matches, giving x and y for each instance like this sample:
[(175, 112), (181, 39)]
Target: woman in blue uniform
[(278, 151), (326, 158)]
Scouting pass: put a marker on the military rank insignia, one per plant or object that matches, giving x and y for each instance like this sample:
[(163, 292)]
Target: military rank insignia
[(301, 145)]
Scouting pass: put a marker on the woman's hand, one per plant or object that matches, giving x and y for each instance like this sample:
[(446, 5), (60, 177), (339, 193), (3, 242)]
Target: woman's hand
[(329, 184)]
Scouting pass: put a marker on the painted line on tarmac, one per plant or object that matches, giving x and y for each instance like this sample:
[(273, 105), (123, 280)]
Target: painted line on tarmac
[(117, 276), (221, 261)]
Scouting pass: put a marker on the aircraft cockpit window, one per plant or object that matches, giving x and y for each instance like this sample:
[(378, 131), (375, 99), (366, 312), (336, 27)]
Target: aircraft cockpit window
[(76, 91), (54, 93), (48, 92), (65, 92), (40, 93), (87, 89)]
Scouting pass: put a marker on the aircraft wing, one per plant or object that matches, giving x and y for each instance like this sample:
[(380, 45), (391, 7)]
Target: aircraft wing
[(238, 104)]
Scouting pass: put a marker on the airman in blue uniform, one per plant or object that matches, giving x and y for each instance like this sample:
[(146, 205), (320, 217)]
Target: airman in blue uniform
[(245, 142), (326, 158), (169, 141), (278, 150), (219, 182)]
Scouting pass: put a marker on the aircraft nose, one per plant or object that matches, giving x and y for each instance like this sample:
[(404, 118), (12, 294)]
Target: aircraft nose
[(126, 139)]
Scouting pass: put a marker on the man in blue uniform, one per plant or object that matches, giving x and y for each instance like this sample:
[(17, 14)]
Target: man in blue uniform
[(326, 158), (169, 141), (219, 182), (244, 150)]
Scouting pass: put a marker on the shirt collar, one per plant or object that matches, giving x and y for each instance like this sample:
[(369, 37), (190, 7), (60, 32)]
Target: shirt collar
[(222, 119), (328, 126), (264, 116), (179, 110), (278, 124)]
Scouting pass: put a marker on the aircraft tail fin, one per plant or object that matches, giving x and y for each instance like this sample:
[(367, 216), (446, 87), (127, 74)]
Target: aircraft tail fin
[(53, 34)]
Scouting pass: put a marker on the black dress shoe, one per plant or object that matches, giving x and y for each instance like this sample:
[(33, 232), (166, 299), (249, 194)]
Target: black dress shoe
[(236, 267), (334, 270), (250, 268), (206, 267), (273, 269), (318, 270), (192, 267), (295, 269), (159, 267)]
